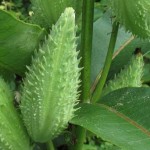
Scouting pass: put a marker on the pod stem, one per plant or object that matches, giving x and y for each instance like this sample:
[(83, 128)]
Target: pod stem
[(86, 48), (98, 90), (50, 145)]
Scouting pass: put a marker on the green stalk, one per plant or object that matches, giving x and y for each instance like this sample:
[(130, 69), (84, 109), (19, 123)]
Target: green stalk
[(86, 48), (81, 136), (98, 90), (50, 145)]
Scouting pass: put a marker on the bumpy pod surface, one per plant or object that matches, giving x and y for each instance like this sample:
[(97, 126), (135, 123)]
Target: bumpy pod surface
[(129, 77), (12, 132), (134, 15), (50, 88)]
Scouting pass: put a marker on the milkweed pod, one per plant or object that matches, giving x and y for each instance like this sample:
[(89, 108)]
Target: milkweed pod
[(134, 15), (50, 89), (130, 76), (13, 135)]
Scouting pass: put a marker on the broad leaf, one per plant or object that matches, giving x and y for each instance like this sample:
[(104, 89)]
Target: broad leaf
[(122, 118), (100, 45), (47, 12), (18, 40), (132, 102), (101, 37)]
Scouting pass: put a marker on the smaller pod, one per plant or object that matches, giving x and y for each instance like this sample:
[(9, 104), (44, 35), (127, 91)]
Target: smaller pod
[(13, 135), (130, 76)]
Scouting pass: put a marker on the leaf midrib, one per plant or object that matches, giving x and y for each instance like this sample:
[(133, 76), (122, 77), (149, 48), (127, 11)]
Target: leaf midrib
[(127, 119)]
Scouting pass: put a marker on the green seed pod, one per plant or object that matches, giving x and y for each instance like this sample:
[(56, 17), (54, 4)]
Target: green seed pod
[(12, 132), (134, 15), (50, 88), (129, 77)]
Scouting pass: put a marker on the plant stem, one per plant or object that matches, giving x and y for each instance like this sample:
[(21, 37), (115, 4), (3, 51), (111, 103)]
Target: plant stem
[(98, 90), (50, 145), (86, 48), (81, 136)]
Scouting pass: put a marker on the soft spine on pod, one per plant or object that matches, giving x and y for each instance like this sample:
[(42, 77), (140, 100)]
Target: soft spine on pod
[(50, 89), (129, 77), (13, 135), (134, 15)]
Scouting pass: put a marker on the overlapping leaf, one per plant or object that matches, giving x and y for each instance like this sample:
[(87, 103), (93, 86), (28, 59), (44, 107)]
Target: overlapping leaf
[(122, 118), (18, 40), (47, 12), (101, 37)]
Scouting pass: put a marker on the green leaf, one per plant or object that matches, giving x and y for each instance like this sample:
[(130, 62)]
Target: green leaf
[(18, 40), (122, 118), (132, 102), (101, 36), (47, 12), (100, 44), (98, 11)]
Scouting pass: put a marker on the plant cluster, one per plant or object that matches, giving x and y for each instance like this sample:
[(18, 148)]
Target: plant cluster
[(47, 52)]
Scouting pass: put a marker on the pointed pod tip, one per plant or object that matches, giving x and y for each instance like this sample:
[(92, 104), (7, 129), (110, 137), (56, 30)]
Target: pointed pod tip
[(70, 11)]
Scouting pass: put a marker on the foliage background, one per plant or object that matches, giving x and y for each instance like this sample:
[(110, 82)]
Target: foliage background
[(124, 49)]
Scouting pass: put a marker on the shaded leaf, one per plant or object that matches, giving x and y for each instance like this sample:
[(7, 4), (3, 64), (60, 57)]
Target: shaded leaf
[(47, 12), (18, 40), (122, 118), (101, 37), (7, 75), (132, 102)]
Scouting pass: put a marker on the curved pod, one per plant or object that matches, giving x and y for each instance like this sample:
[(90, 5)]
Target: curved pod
[(13, 135)]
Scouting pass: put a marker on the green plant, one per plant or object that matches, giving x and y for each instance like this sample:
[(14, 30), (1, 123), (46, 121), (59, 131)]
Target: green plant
[(130, 76), (12, 131), (127, 10), (63, 75), (50, 88)]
